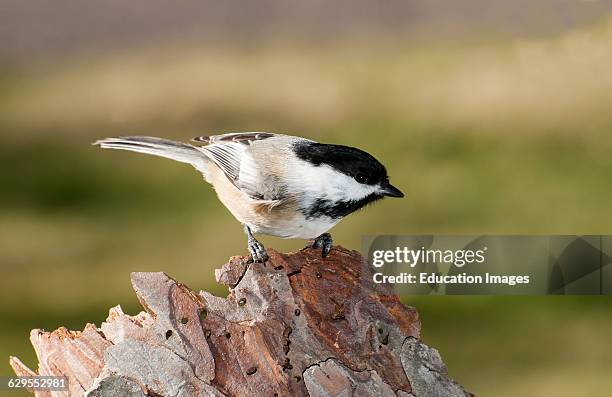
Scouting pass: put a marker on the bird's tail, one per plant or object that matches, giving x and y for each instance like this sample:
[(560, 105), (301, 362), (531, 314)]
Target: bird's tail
[(177, 151)]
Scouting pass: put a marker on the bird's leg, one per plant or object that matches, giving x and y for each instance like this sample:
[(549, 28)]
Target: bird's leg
[(257, 250), (324, 242)]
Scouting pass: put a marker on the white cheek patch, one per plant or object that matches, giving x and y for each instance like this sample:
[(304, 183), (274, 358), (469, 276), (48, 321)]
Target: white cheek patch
[(347, 188), (326, 183)]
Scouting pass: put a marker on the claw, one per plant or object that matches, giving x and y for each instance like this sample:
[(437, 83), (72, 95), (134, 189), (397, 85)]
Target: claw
[(257, 250), (324, 242)]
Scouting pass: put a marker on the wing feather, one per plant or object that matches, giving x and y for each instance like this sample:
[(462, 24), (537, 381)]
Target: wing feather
[(242, 137), (230, 153)]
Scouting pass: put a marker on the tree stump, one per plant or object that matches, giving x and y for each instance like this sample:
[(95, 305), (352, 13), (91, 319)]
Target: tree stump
[(297, 325)]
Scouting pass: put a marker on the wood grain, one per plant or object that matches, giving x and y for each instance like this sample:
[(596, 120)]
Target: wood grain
[(297, 325)]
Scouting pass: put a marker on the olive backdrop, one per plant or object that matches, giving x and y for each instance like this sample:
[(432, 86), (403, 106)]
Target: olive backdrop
[(492, 117)]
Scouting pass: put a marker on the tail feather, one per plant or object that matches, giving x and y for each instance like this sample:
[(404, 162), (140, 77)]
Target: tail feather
[(173, 150)]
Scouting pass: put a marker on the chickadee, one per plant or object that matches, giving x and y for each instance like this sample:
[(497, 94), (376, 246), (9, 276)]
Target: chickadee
[(275, 184)]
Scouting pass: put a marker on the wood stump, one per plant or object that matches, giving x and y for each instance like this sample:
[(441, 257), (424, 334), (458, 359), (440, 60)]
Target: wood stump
[(297, 325)]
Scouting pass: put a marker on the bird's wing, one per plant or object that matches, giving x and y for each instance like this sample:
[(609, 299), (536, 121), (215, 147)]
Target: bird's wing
[(241, 137), (230, 153)]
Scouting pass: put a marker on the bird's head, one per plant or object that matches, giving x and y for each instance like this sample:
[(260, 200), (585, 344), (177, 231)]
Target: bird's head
[(353, 174)]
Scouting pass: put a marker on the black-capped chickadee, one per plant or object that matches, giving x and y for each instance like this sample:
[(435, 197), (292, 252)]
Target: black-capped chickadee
[(275, 184)]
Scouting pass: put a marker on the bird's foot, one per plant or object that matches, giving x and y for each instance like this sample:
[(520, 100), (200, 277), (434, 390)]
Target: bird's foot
[(324, 242), (257, 250)]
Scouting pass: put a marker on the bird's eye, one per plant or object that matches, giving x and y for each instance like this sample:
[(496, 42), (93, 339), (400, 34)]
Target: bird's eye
[(361, 178)]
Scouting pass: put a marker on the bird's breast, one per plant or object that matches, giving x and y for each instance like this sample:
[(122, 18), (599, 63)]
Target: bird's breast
[(297, 227)]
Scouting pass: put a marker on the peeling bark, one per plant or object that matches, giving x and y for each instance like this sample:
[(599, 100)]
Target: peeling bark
[(296, 325)]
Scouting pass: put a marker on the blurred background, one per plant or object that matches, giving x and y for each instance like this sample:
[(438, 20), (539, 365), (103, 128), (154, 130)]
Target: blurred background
[(492, 116)]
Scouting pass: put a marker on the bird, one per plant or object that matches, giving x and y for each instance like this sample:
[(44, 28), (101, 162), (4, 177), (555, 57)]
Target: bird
[(276, 184)]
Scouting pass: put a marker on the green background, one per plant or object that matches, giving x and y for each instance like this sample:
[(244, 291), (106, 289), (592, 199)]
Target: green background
[(486, 131)]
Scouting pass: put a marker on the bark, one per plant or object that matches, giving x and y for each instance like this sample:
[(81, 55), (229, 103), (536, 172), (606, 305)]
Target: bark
[(298, 325)]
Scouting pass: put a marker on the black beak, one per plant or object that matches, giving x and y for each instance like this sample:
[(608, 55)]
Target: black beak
[(390, 191)]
